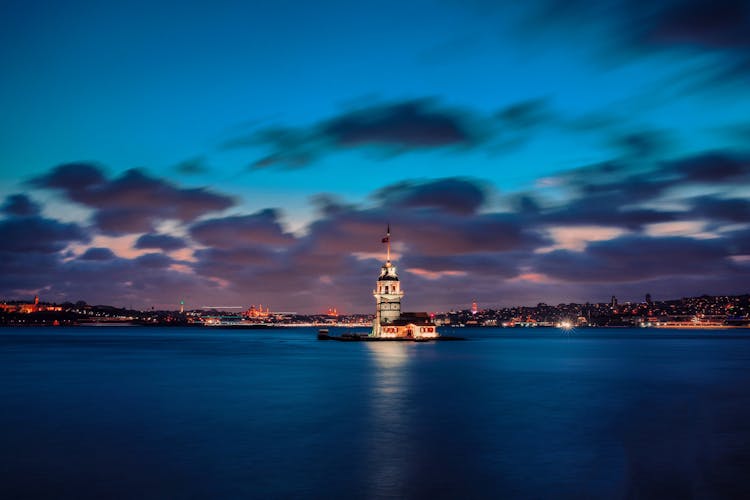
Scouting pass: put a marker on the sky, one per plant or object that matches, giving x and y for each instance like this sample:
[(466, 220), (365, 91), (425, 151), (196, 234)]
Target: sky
[(237, 153)]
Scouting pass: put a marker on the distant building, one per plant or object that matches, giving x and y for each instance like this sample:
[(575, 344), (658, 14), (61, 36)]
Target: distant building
[(28, 307), (389, 321), (257, 312)]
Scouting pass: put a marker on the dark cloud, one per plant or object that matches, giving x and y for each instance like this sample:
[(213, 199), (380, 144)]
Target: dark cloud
[(708, 24), (160, 241), (719, 30), (262, 228), (720, 210), (456, 195), (100, 277), (97, 253), (37, 234), (636, 258), (73, 178), (628, 195), (713, 167), (290, 148), (237, 265), (526, 114), (154, 261), (642, 144), (339, 256), (499, 265), (445, 242), (20, 205), (397, 127), (193, 166), (609, 193), (121, 221), (133, 202), (407, 125)]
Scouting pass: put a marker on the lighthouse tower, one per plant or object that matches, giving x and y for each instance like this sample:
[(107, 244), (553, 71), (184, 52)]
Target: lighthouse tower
[(387, 294)]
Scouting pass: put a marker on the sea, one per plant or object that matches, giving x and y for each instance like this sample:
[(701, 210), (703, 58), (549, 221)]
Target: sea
[(118, 412)]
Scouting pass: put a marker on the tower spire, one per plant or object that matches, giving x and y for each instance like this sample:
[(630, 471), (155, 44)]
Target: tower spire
[(387, 240)]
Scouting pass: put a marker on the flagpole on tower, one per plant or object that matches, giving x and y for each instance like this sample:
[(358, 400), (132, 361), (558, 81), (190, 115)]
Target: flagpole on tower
[(387, 240), (388, 235)]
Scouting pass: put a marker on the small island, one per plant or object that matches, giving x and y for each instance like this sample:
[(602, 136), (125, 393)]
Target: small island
[(390, 324)]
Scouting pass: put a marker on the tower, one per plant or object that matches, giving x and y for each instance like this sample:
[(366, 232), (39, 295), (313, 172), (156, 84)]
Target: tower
[(387, 292)]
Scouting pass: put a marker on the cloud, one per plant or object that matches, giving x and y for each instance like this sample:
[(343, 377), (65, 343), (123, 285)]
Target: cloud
[(632, 195), (38, 234), (642, 144), (717, 30), (721, 209), (160, 241), (20, 205), (98, 253), (526, 114), (132, 202), (408, 125), (193, 166), (262, 229), (455, 195), (714, 167), (31, 248), (636, 258), (396, 127), (706, 24), (609, 228)]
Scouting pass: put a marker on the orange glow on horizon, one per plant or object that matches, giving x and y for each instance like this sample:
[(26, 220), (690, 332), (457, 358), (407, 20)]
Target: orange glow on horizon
[(433, 275), (532, 278)]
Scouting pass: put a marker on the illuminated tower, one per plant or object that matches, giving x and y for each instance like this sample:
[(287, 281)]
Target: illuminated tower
[(182, 307), (387, 293), (474, 307)]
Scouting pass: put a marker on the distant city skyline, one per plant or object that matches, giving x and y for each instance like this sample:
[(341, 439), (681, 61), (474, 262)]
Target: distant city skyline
[(248, 153)]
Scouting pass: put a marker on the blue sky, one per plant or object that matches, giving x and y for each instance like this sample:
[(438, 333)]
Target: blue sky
[(313, 123)]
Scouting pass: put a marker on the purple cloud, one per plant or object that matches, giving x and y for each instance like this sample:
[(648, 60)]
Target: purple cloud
[(160, 241), (132, 202), (97, 253), (37, 234), (261, 228)]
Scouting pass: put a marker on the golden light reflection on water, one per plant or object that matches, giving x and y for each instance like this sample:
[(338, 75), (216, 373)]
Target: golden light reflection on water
[(389, 354), (389, 444)]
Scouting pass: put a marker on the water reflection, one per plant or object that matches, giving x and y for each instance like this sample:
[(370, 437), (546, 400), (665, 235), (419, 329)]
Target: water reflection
[(389, 446)]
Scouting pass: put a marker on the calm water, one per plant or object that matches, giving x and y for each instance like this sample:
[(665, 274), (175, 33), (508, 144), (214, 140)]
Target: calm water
[(185, 413)]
